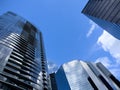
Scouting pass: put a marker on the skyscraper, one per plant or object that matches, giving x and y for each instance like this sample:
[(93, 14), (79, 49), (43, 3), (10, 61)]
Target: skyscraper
[(53, 81), (106, 13), (23, 64), (80, 75), (22, 57)]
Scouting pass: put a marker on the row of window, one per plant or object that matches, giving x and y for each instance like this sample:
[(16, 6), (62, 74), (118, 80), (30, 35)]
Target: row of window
[(99, 76), (106, 9), (23, 55), (108, 74)]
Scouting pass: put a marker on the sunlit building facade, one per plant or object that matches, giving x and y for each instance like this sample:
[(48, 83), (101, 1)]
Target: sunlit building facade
[(22, 57), (79, 75), (106, 13)]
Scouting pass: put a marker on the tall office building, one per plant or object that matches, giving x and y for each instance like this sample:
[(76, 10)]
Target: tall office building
[(80, 75), (53, 81), (22, 58), (106, 13)]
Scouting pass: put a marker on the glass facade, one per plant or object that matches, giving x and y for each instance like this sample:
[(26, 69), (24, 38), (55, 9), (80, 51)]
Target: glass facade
[(106, 13), (76, 76), (79, 75), (53, 81), (22, 58), (61, 80)]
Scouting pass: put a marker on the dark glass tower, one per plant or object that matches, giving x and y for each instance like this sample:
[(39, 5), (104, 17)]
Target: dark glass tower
[(53, 81), (22, 58), (79, 75), (106, 13)]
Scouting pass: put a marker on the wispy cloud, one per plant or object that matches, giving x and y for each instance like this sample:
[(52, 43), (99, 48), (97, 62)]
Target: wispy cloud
[(52, 67), (92, 27), (112, 46)]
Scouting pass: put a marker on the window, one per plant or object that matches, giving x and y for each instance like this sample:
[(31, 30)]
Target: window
[(115, 81), (92, 83), (105, 83)]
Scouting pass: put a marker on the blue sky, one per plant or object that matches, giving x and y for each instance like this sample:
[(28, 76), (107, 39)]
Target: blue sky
[(67, 33)]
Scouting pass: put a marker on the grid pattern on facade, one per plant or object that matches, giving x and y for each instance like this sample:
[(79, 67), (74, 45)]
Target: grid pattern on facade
[(106, 13), (24, 66)]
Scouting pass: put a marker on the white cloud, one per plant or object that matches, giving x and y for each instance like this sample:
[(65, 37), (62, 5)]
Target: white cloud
[(52, 67), (112, 46), (92, 28)]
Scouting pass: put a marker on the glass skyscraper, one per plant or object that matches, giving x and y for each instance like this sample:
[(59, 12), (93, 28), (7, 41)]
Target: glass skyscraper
[(23, 64), (106, 13), (53, 81), (80, 75)]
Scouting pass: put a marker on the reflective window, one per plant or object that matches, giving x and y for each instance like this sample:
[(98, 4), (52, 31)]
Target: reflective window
[(4, 55)]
